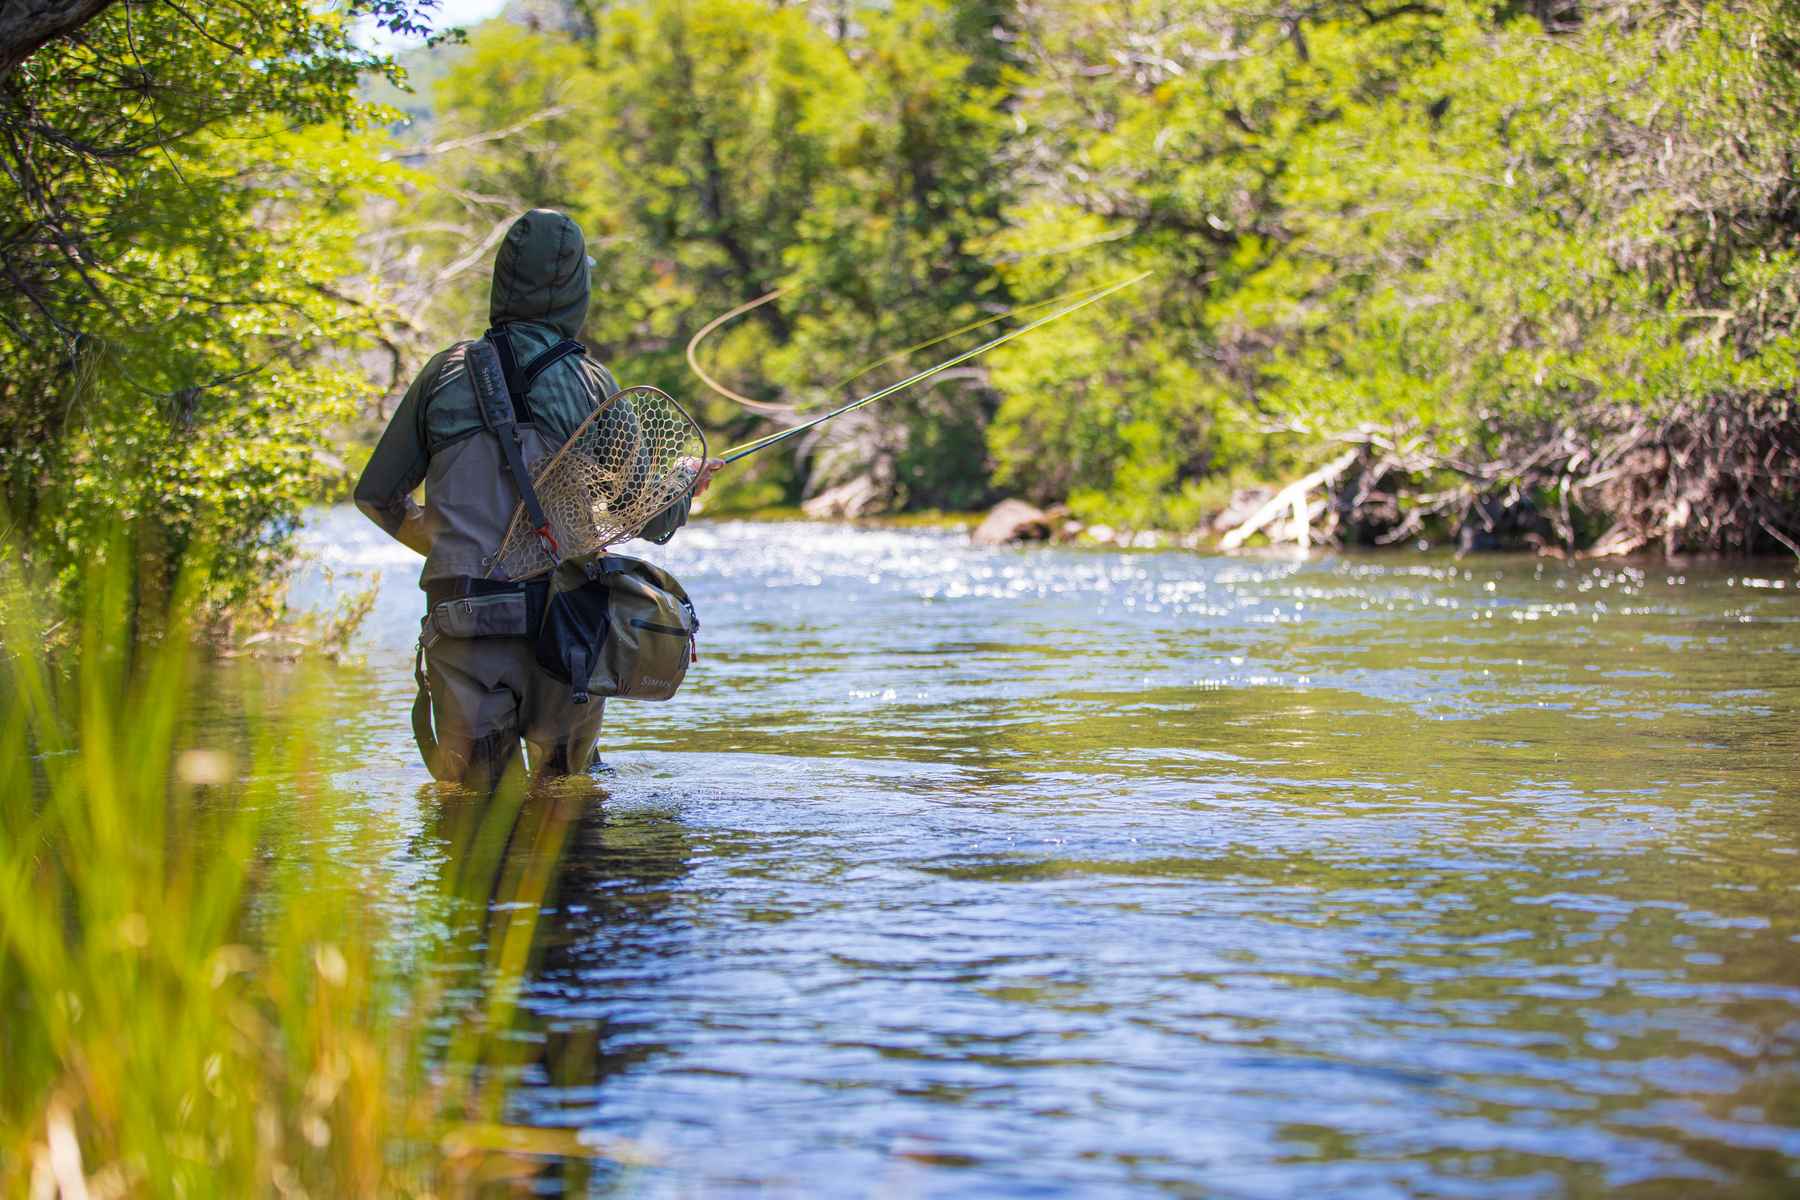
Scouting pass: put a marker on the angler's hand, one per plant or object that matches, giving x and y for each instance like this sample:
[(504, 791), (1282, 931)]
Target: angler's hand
[(705, 472)]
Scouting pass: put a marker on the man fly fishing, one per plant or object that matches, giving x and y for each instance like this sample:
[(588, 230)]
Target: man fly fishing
[(484, 681), (535, 463)]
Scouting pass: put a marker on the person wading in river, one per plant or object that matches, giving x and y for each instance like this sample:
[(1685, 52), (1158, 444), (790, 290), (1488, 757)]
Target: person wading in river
[(485, 687)]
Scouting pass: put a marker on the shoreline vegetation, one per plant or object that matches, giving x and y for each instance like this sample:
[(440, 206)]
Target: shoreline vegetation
[(1698, 482)]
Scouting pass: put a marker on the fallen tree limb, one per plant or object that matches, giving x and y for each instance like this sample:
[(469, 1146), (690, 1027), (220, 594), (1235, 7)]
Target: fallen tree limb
[(1291, 499), (1713, 476)]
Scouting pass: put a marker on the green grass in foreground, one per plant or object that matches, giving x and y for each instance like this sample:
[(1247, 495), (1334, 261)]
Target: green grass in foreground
[(196, 1002)]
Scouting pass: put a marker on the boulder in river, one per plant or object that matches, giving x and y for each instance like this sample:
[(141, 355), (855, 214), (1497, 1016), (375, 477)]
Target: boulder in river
[(1012, 521)]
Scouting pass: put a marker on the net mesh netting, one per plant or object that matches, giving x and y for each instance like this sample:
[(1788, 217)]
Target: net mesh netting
[(621, 468)]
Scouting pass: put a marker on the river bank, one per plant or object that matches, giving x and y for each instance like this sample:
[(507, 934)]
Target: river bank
[(1263, 517)]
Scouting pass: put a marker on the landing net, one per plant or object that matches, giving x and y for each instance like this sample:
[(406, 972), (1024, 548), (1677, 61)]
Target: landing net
[(622, 467)]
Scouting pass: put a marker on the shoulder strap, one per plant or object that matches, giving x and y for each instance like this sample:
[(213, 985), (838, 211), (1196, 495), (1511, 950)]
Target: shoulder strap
[(501, 341), (495, 403), (520, 378), (544, 362)]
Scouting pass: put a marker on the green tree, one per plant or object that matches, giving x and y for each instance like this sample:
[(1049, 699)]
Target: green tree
[(1164, 136), (1470, 224), (892, 249), (182, 190)]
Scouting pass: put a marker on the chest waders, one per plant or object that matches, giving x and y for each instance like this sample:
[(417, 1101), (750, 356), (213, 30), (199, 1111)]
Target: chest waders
[(605, 625)]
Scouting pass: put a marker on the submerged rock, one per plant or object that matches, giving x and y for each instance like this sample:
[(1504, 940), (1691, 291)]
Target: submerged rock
[(1012, 521)]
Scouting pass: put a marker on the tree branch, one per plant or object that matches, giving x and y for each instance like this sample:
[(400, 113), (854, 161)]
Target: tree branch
[(26, 25)]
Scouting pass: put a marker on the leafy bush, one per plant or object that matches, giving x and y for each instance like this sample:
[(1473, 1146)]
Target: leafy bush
[(185, 297)]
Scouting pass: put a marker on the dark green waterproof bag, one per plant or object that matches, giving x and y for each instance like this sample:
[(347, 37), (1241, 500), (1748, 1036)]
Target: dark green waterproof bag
[(617, 626)]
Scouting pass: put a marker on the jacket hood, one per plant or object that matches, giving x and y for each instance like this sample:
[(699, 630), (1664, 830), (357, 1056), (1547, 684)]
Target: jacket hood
[(541, 273)]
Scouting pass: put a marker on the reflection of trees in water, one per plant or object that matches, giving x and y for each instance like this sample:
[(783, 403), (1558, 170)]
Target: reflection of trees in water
[(608, 941), (552, 892)]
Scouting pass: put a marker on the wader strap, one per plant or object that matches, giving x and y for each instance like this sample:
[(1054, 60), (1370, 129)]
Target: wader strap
[(545, 361), (421, 714), (501, 341), (458, 587), (495, 403)]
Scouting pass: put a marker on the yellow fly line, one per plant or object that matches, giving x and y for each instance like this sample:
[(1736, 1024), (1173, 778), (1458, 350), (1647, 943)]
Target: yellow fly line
[(969, 328), (765, 406), (1091, 296), (693, 356)]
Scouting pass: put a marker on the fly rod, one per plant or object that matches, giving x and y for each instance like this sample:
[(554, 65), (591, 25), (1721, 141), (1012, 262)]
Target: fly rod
[(751, 447)]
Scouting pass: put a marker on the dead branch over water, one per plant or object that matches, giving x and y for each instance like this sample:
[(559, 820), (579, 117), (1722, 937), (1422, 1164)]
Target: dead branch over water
[(1704, 477)]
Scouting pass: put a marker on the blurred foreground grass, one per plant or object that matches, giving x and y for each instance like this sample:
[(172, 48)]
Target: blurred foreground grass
[(197, 1001)]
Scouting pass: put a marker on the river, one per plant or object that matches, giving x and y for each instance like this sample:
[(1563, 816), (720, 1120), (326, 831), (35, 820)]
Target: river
[(1054, 871)]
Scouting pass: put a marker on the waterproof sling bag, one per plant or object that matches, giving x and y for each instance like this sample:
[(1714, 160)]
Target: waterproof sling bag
[(617, 626)]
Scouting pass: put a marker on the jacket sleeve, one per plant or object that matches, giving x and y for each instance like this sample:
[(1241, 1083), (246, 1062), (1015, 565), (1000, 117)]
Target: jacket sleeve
[(384, 493), (662, 526)]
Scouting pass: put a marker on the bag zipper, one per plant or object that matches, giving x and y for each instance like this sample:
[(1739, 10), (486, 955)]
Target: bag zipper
[(693, 635), (653, 627)]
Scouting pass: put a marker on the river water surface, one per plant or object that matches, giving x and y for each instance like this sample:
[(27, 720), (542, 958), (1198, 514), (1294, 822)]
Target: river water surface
[(956, 871)]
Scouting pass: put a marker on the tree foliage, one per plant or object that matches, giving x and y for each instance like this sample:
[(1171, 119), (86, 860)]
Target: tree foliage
[(182, 189), (1455, 220)]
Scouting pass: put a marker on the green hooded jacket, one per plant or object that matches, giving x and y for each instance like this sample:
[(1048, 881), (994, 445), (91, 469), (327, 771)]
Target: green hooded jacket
[(539, 297)]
